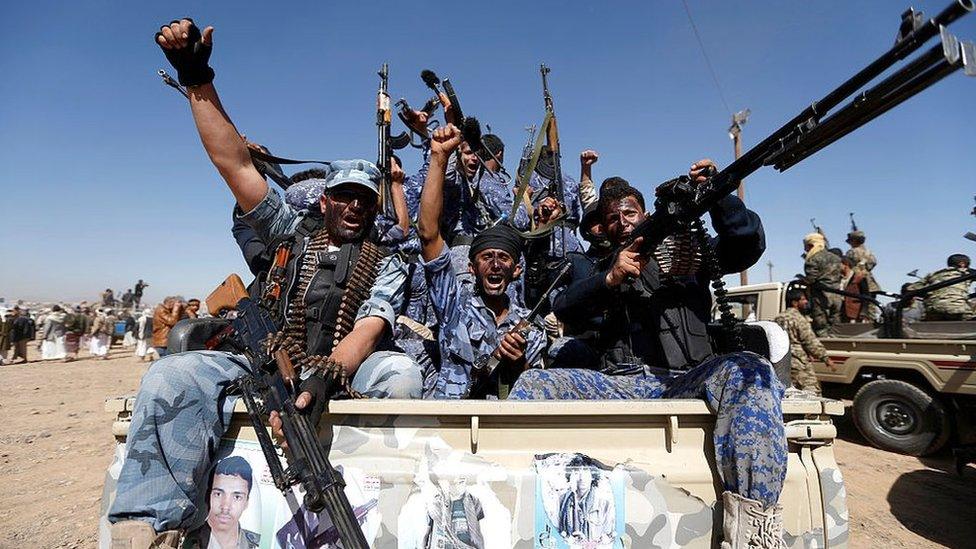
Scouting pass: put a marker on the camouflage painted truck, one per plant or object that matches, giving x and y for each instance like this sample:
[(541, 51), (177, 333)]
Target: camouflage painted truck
[(509, 465), (913, 384)]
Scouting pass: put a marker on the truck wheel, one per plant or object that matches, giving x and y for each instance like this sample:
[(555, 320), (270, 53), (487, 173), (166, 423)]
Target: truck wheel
[(900, 417)]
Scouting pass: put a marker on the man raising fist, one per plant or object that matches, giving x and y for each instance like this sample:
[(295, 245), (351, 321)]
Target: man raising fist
[(184, 406), (476, 320)]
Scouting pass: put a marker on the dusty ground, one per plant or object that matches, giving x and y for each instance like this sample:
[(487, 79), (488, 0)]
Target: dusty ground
[(56, 441)]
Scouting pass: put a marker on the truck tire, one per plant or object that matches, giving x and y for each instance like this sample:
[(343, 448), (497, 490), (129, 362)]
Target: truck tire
[(900, 417)]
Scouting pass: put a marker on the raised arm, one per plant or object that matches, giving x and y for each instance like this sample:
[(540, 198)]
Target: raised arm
[(188, 50), (587, 189), (445, 140)]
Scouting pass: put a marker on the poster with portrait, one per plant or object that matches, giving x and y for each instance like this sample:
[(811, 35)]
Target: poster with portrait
[(579, 503), (453, 505), (246, 510)]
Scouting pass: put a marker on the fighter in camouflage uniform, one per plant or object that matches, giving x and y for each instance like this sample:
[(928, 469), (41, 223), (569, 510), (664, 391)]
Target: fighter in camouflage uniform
[(823, 267), (653, 345), (950, 303), (804, 344), (185, 404), (864, 263)]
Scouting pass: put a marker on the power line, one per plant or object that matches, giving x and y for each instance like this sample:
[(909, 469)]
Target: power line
[(708, 61)]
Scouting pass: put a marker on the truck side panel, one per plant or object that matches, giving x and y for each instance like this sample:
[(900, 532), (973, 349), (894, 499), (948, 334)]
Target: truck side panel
[(652, 473)]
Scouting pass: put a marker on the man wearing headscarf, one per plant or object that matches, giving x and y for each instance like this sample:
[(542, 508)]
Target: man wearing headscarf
[(475, 317), (52, 335), (821, 268), (76, 327)]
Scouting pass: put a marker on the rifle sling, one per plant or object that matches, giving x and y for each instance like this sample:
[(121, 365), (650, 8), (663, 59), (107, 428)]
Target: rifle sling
[(526, 175)]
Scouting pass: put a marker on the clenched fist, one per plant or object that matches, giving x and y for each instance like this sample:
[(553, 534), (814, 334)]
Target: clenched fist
[(588, 158), (188, 50), (445, 141)]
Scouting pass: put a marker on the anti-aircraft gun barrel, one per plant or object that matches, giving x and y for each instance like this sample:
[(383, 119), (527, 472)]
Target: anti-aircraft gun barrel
[(804, 134)]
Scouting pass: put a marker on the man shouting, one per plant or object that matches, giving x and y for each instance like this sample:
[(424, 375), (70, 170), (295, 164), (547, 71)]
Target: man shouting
[(184, 407)]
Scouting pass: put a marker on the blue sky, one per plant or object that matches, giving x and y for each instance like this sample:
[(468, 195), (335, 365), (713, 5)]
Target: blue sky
[(104, 179)]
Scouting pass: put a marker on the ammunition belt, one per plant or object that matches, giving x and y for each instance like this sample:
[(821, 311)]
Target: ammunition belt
[(358, 288), (293, 337)]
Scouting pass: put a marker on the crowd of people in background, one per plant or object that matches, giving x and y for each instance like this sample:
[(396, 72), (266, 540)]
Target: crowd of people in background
[(61, 332)]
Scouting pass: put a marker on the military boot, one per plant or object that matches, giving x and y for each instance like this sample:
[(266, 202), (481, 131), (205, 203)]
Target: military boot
[(747, 526), (136, 534)]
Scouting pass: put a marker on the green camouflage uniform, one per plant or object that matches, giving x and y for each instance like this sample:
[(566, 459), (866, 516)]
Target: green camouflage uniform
[(864, 263), (823, 267), (950, 303), (804, 346)]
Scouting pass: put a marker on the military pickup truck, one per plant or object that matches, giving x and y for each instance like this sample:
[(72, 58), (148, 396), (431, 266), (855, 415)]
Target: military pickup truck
[(497, 474), (913, 385)]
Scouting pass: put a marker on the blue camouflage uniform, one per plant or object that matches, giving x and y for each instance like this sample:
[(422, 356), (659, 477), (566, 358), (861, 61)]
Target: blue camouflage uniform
[(467, 328), (659, 349), (564, 238), (183, 407)]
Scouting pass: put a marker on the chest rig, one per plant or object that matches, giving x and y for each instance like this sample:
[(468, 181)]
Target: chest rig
[(315, 294)]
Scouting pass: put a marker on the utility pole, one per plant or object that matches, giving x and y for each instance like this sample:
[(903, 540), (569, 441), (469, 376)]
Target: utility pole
[(770, 265), (735, 131)]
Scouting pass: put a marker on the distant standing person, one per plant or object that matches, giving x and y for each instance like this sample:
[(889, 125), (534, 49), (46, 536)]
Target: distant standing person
[(20, 333), (128, 298), (951, 302), (821, 267), (76, 325), (166, 315), (101, 334), (52, 335), (144, 330), (804, 344), (5, 323), (864, 264), (108, 298), (137, 294)]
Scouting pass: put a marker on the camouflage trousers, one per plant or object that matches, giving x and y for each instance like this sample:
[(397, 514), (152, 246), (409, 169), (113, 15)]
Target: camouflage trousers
[(742, 390), (183, 409), (803, 376), (825, 312)]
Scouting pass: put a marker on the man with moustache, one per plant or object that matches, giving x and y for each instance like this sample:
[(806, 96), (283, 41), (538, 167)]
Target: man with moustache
[(653, 344), (184, 406)]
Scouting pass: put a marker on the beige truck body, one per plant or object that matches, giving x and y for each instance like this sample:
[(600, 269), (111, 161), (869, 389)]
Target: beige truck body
[(948, 365), (945, 369), (653, 462)]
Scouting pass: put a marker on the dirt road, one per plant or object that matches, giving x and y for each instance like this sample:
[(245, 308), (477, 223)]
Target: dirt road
[(56, 441)]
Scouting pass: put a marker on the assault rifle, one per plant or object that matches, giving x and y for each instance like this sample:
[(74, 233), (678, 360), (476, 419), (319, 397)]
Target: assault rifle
[(812, 129), (469, 125), (274, 387), (853, 223), (384, 117), (552, 138)]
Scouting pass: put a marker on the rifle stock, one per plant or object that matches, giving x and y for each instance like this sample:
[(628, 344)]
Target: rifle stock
[(225, 296)]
